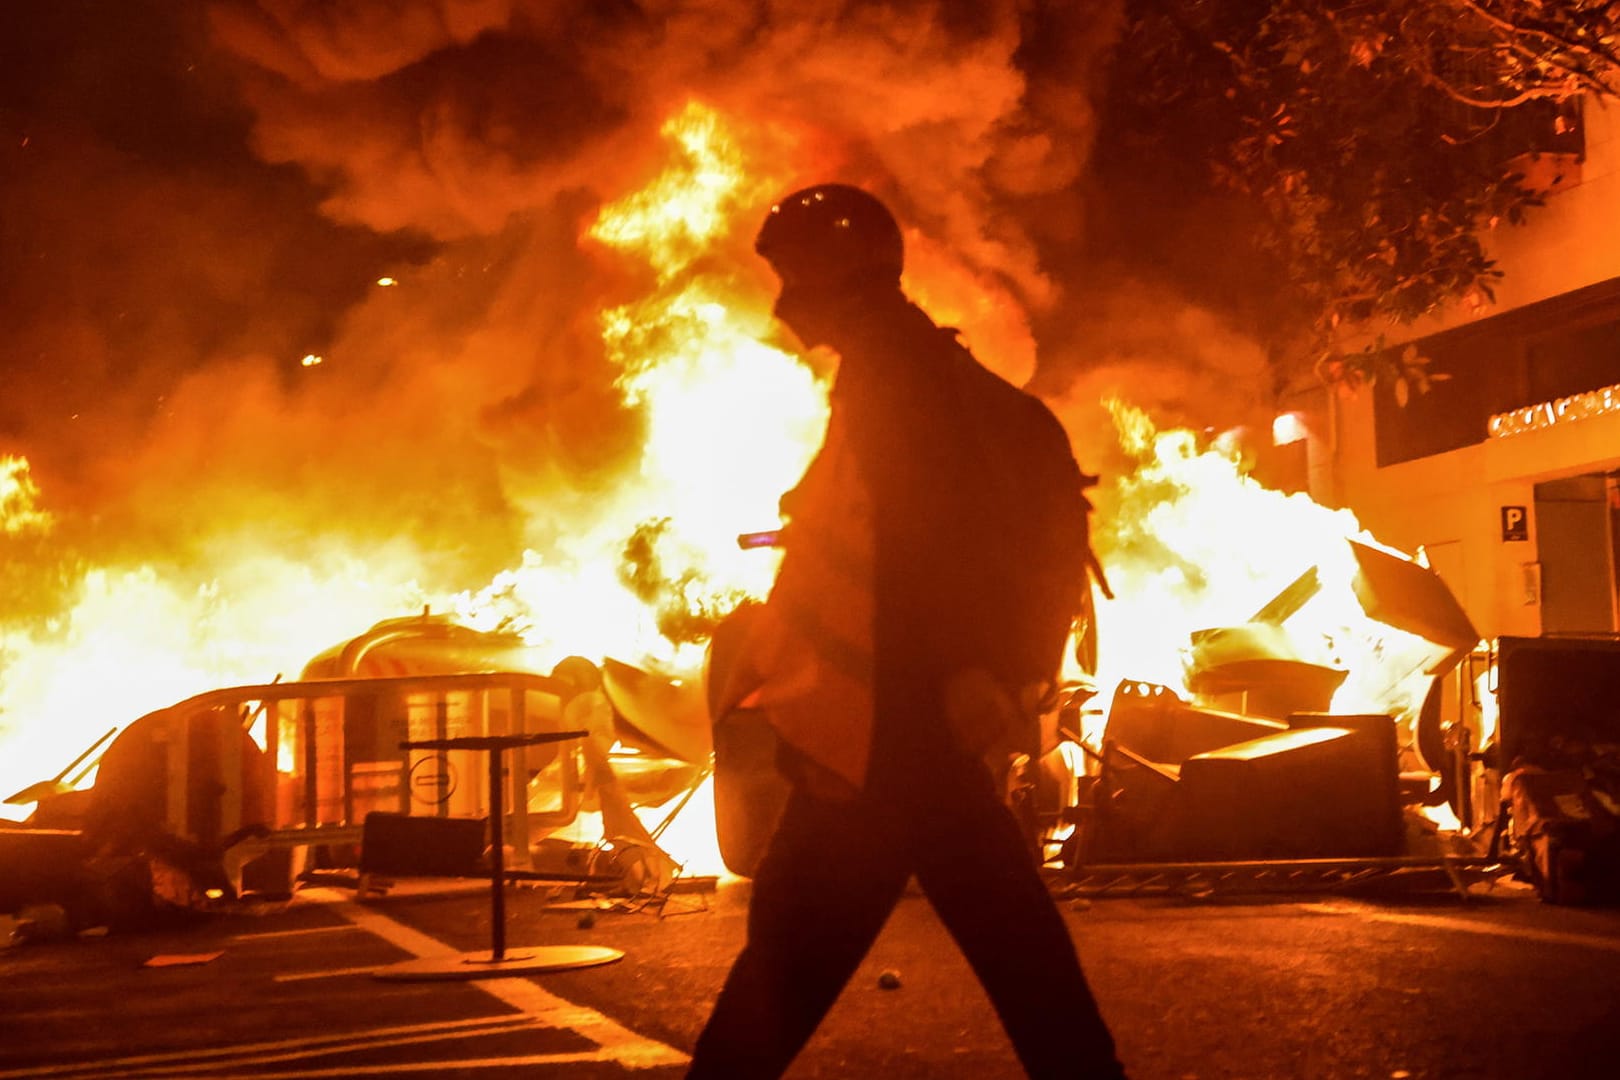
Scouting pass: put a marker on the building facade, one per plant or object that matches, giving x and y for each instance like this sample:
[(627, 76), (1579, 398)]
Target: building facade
[(1507, 472)]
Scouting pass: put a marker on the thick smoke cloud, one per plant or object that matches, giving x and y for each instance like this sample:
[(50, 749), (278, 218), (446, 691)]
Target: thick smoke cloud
[(452, 118), (182, 240)]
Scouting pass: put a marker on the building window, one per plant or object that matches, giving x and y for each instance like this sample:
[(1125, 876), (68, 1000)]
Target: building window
[(1566, 345)]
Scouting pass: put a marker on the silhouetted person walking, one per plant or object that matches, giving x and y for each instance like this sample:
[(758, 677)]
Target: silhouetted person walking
[(935, 556)]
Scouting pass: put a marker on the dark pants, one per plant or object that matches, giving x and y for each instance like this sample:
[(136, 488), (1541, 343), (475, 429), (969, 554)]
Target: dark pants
[(832, 875)]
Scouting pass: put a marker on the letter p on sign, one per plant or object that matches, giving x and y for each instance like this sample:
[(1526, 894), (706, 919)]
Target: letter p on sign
[(1515, 523)]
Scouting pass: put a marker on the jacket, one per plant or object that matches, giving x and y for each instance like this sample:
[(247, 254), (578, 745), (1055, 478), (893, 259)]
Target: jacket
[(935, 547)]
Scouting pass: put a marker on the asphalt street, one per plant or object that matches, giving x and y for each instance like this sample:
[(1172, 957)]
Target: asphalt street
[(1491, 984)]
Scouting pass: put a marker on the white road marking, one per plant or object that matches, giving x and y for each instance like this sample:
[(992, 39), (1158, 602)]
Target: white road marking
[(1441, 922), (346, 928), (175, 1062), (334, 973), (618, 1043), (435, 1067), (537, 1009)]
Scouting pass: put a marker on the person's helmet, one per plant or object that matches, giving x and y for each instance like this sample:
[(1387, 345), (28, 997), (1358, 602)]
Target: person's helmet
[(832, 237)]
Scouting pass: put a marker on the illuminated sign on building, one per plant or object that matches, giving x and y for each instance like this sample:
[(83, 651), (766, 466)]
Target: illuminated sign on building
[(1565, 410)]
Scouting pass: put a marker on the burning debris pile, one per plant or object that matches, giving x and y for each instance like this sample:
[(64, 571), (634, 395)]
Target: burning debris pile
[(1339, 662), (1285, 751), (553, 395), (1335, 666)]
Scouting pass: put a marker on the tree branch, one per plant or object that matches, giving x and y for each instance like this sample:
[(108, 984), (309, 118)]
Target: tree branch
[(1429, 78), (1512, 28)]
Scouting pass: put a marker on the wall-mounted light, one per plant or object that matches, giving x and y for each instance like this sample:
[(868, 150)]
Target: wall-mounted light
[(1288, 428)]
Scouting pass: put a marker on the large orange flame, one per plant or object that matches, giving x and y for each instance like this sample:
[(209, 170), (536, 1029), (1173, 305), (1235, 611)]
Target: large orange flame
[(19, 499), (730, 421), (1193, 542)]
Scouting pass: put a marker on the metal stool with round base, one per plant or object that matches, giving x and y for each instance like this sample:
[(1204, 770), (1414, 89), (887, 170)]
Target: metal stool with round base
[(486, 965), (497, 962)]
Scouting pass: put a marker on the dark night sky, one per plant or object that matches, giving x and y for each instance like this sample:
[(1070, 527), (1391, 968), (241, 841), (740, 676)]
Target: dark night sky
[(141, 236)]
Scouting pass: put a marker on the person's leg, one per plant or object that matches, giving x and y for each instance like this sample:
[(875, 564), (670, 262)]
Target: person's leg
[(822, 893), (978, 873)]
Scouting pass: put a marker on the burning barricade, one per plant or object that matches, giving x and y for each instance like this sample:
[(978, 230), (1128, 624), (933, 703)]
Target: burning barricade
[(248, 790), (1475, 762), (1283, 737), (372, 765), (1257, 763)]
